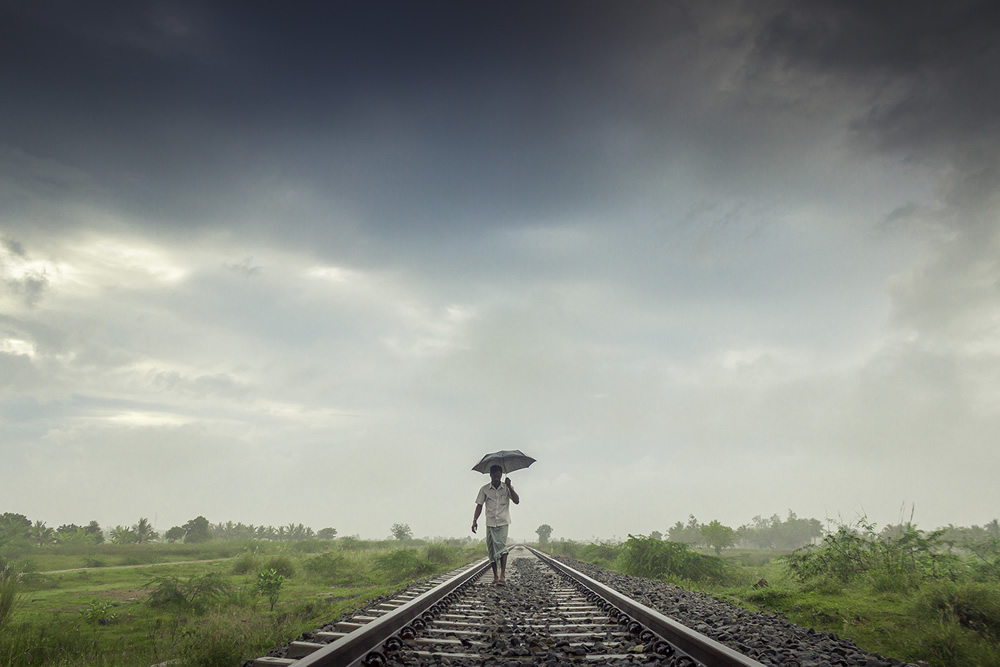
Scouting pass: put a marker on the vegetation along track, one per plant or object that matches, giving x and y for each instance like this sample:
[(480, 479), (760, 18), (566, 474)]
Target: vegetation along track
[(549, 613)]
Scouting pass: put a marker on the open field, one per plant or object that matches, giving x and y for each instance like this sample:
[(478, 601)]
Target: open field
[(914, 597), (948, 616), (143, 604)]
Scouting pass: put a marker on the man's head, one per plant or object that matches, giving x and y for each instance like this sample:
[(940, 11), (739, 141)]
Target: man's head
[(496, 472)]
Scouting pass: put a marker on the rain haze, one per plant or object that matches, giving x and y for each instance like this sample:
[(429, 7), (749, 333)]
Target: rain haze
[(275, 264)]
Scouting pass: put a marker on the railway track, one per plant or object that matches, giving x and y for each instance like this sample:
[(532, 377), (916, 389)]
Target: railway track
[(548, 613)]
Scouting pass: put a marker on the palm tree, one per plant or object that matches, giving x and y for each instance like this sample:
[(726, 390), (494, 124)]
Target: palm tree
[(144, 532), (42, 534), (122, 535)]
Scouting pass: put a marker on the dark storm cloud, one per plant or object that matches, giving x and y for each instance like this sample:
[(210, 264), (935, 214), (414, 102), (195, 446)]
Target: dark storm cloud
[(419, 116), (924, 77), (428, 114), (928, 68)]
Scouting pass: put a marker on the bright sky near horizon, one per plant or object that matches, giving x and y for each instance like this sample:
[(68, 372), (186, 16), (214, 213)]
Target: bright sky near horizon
[(276, 264)]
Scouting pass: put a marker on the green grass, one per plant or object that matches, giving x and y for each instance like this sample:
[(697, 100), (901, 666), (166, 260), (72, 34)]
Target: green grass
[(945, 623), (72, 556), (103, 616)]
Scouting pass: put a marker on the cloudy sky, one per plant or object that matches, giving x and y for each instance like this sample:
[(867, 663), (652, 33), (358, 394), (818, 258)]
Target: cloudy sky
[(272, 264)]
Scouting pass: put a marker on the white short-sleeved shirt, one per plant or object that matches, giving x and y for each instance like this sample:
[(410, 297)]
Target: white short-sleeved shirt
[(496, 502)]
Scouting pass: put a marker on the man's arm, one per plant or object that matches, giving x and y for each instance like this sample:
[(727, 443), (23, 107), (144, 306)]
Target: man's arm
[(479, 510), (513, 494)]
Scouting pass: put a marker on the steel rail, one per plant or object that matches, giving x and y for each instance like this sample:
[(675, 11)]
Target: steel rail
[(356, 645), (703, 649)]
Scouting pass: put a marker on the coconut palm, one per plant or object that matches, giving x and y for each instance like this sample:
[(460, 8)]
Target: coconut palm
[(144, 531)]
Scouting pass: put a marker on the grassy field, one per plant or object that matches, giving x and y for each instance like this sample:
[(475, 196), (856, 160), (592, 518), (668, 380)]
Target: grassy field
[(145, 604), (948, 616)]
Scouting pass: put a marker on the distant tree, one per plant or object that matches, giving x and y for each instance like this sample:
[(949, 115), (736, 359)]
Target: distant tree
[(94, 529), (773, 533), (68, 529), (174, 534), (544, 533), (266, 533), (327, 533), (688, 534), (222, 531), (297, 533), (402, 532), (70, 533), (123, 535), (796, 532), (144, 532), (196, 530), (718, 536), (656, 535), (42, 534), (14, 527), (230, 531), (760, 532)]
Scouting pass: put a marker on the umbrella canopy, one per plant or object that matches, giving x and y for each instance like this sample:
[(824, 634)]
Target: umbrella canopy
[(508, 459)]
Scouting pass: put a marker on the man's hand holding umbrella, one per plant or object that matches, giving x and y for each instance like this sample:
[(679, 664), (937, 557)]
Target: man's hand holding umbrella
[(513, 493)]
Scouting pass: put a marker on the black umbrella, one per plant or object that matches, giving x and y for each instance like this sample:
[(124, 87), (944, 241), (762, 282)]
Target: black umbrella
[(508, 459)]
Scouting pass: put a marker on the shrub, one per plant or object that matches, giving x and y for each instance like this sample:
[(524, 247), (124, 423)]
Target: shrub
[(309, 546), (269, 585), (898, 563), (337, 568), (643, 556), (567, 548), (440, 553), (771, 597), (246, 563), (947, 643), (972, 605), (324, 567), (401, 564), (194, 594), (98, 612), (229, 638), (602, 551), (986, 566), (10, 592), (281, 563)]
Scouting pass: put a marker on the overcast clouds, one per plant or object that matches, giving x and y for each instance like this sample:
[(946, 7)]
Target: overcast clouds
[(723, 259)]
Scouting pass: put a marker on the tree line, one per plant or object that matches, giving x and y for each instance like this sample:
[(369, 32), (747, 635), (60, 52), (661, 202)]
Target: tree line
[(794, 532), (759, 533), (19, 528)]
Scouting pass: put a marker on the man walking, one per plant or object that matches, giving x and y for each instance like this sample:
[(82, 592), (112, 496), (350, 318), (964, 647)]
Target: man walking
[(496, 497)]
